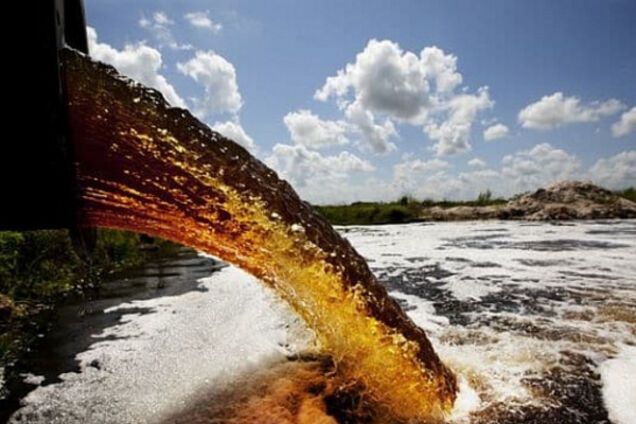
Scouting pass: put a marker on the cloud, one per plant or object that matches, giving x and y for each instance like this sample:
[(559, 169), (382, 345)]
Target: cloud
[(235, 132), (322, 179), (616, 172), (309, 130), (495, 132), (539, 166), (408, 174), (442, 68), (346, 178), (522, 171), (556, 109), (384, 80), (137, 61), (142, 63), (476, 163), (377, 135), (411, 166), (434, 179), (453, 134), (160, 18), (626, 125), (387, 85), (525, 170), (312, 172), (158, 25), (218, 78), (221, 94), (202, 20)]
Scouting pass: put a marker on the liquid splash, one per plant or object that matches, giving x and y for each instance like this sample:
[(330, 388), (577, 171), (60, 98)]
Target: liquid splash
[(307, 391), (147, 167)]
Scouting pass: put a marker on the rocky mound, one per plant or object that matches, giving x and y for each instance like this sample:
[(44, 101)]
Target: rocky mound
[(568, 200)]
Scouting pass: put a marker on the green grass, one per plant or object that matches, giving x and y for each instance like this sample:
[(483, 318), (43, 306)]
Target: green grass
[(362, 213), (628, 193), (408, 209), (404, 210)]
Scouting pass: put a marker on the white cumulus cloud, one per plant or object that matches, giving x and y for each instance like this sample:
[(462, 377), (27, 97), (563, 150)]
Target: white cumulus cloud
[(387, 85), (476, 163), (377, 135), (235, 132), (318, 178), (159, 26), (218, 78), (539, 166), (615, 172), (626, 125), (453, 133), (384, 79), (442, 68), (137, 61), (435, 179), (495, 132), (557, 109), (309, 130), (202, 20), (408, 174)]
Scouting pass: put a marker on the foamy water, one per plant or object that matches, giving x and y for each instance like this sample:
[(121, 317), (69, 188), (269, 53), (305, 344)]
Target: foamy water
[(530, 315), (619, 385), (538, 321)]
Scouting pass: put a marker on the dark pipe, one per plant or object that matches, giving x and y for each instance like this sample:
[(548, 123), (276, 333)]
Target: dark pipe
[(36, 164)]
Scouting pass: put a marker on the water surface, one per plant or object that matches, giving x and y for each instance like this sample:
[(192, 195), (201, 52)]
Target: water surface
[(537, 320)]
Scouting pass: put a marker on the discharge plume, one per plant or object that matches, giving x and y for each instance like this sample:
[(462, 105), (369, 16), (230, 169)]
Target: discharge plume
[(144, 166)]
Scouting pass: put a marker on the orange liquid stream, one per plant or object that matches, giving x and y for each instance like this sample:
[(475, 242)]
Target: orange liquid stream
[(147, 167)]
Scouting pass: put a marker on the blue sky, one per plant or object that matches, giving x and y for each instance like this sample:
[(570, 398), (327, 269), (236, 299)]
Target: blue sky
[(435, 99)]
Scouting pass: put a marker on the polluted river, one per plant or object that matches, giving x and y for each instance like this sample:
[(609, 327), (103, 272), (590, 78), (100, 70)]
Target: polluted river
[(423, 323), (536, 319)]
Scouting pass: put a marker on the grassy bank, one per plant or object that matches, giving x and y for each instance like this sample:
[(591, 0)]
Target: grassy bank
[(40, 269), (363, 213), (628, 193), (401, 211), (407, 209)]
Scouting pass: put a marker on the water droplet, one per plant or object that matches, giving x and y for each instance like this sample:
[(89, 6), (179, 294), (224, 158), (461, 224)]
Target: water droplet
[(297, 228)]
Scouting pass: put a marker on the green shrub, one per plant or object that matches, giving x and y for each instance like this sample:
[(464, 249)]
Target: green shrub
[(361, 213), (628, 193), (484, 198), (43, 265), (39, 268), (37, 264)]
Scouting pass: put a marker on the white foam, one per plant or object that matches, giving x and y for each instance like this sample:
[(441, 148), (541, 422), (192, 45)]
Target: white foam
[(481, 258), (467, 401), (155, 363), (422, 312), (30, 378), (619, 386), (500, 364), (469, 289)]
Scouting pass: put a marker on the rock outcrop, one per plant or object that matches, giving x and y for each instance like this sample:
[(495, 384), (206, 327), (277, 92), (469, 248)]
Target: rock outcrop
[(568, 200), (564, 200)]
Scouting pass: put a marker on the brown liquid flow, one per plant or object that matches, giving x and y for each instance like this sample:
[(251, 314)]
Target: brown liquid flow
[(147, 167)]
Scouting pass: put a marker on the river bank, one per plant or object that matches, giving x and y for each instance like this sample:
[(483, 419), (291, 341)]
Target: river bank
[(568, 200), (43, 271)]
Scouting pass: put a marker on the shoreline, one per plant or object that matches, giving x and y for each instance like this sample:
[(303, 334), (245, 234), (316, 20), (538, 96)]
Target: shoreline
[(564, 201), (58, 278)]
